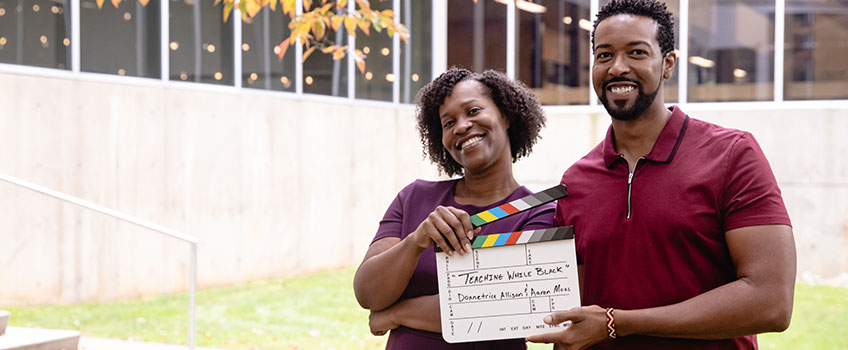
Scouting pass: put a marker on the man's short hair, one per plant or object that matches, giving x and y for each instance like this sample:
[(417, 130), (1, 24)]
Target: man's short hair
[(648, 8)]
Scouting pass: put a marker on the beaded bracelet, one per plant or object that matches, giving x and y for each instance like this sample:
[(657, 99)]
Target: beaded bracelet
[(611, 322)]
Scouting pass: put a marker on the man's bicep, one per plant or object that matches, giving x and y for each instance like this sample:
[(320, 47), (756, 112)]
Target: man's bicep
[(764, 253)]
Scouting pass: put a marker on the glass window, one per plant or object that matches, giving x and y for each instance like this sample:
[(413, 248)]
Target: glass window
[(35, 33), (671, 93), (415, 65), (815, 45), (477, 34), (376, 83), (731, 50), (552, 49), (201, 42), (324, 75), (123, 40), (260, 40)]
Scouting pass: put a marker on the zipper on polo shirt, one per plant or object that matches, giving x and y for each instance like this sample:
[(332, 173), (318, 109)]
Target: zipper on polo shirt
[(630, 183)]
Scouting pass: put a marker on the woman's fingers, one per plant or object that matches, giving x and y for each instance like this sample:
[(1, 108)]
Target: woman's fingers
[(467, 231), (450, 229)]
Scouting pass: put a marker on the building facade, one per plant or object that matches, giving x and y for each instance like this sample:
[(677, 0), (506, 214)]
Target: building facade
[(283, 167)]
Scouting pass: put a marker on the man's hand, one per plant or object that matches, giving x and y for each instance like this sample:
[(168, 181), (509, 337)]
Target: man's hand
[(588, 327), (381, 322)]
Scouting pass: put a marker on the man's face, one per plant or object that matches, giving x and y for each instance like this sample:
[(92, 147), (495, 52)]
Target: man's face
[(629, 66)]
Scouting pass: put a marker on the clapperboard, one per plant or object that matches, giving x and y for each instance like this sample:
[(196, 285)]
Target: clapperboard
[(511, 280)]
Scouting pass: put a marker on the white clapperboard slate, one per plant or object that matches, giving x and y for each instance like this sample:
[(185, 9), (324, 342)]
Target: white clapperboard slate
[(510, 281)]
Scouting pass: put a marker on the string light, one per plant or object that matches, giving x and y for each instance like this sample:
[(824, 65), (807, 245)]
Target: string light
[(127, 16), (415, 77), (2, 12), (183, 76), (66, 42), (218, 76), (277, 50), (122, 71), (385, 51), (174, 45), (308, 80), (210, 48), (368, 76), (254, 76), (285, 81), (390, 78), (366, 50), (36, 8), (54, 9), (246, 47)]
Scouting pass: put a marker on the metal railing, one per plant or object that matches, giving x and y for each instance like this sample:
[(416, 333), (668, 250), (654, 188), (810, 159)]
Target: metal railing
[(192, 274)]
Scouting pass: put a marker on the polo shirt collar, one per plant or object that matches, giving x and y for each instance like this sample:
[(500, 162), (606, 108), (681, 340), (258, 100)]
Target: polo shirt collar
[(666, 144)]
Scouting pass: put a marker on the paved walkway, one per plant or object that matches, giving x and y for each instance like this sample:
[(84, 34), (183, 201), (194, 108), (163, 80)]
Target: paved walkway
[(86, 343)]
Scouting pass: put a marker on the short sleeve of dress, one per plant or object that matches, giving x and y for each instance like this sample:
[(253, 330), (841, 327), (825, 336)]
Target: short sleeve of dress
[(540, 217), (751, 196), (392, 222)]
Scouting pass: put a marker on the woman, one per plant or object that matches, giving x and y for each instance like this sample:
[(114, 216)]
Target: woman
[(475, 126)]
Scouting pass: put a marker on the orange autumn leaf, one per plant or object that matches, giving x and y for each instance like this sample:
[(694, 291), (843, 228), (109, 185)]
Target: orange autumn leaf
[(350, 25), (339, 53), (308, 52), (336, 21), (283, 47), (252, 7)]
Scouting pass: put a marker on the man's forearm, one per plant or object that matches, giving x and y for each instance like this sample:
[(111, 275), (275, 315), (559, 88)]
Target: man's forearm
[(736, 309)]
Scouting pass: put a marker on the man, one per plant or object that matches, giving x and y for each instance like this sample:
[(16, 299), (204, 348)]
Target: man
[(682, 236)]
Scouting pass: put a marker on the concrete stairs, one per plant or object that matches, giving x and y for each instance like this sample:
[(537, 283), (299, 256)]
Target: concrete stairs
[(18, 338)]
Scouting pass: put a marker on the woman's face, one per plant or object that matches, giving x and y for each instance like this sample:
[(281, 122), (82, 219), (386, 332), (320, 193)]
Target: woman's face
[(473, 129)]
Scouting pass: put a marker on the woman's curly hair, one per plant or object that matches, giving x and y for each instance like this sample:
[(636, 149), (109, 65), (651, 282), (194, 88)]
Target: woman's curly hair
[(514, 100)]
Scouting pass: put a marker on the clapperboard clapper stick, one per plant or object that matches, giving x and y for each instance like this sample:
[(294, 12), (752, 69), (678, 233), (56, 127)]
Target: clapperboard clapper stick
[(514, 207)]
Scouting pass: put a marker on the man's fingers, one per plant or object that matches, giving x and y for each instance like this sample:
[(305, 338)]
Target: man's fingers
[(572, 314), (547, 338)]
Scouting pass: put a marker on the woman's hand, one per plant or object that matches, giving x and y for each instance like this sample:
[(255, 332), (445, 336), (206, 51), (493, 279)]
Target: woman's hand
[(448, 227), (381, 322)]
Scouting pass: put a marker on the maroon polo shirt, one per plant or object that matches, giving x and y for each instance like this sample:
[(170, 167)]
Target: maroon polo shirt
[(657, 238)]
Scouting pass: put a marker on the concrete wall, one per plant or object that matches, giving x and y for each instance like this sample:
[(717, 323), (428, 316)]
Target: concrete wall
[(275, 185)]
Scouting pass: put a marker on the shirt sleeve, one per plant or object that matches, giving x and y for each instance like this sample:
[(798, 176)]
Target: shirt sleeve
[(751, 196)]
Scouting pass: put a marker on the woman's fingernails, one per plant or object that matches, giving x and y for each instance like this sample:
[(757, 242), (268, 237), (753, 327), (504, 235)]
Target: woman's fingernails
[(548, 319)]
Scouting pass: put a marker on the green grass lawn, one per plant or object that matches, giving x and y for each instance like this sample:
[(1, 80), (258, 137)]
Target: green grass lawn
[(319, 312)]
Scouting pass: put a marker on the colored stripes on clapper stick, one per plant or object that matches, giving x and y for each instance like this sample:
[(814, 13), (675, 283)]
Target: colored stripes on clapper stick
[(521, 237), (519, 205)]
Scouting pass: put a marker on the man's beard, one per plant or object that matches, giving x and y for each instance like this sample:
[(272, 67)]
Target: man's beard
[(643, 101)]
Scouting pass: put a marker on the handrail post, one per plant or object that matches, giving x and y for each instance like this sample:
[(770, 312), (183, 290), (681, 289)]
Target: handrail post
[(192, 273), (191, 298)]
